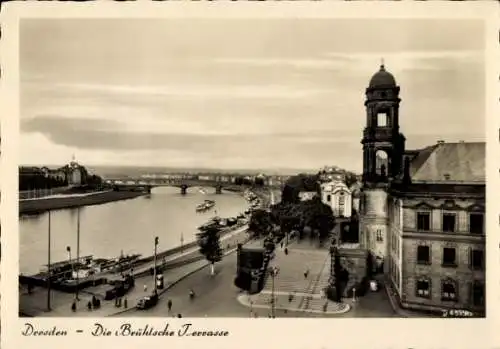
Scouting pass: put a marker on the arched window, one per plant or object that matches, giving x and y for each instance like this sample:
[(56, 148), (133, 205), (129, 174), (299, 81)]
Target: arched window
[(449, 290), (328, 198), (381, 162), (423, 287)]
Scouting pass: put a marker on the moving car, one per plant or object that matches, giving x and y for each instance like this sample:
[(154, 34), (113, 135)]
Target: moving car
[(147, 302)]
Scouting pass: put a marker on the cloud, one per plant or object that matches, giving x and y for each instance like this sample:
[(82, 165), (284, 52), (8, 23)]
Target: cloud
[(367, 61), (263, 91), (106, 134), (301, 63)]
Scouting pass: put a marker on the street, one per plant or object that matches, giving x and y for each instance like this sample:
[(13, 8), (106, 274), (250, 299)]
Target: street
[(216, 296)]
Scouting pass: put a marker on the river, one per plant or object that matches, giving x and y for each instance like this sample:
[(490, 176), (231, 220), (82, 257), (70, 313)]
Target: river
[(127, 226)]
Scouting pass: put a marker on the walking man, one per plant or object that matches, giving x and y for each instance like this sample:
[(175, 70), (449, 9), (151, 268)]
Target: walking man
[(169, 305)]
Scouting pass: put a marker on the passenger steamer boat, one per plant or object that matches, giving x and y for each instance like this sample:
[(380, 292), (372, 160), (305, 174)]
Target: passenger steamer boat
[(206, 205)]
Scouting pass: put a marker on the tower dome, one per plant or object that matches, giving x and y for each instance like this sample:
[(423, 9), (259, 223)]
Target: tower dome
[(382, 79)]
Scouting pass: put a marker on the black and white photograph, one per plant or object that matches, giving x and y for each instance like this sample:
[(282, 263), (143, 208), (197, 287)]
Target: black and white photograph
[(252, 168)]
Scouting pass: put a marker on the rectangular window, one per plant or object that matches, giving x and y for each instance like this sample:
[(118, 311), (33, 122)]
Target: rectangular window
[(477, 260), (381, 119), (424, 221), (423, 255), (476, 223), (449, 222), (341, 199), (478, 294), (448, 291), (449, 257), (423, 288), (328, 198), (380, 238)]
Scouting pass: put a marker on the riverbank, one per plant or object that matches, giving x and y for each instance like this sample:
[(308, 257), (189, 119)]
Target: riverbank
[(35, 206)]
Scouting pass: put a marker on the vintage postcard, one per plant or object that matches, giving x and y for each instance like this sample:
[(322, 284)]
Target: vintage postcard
[(222, 170)]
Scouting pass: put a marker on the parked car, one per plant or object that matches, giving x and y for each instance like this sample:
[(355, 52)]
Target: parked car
[(147, 302)]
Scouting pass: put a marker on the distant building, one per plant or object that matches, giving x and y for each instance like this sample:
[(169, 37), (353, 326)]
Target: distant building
[(329, 174), (337, 195), (74, 173)]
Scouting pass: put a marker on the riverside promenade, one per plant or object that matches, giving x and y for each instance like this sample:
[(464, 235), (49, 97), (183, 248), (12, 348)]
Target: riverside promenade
[(35, 304)]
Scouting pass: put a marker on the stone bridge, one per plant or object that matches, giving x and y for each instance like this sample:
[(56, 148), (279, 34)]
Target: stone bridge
[(183, 183)]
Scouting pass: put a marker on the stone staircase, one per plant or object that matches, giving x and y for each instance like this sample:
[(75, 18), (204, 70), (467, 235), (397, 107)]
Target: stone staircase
[(290, 279)]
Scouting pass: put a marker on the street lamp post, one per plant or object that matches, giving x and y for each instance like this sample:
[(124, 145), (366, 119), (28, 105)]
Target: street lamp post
[(77, 250), (273, 272), (154, 266), (49, 266)]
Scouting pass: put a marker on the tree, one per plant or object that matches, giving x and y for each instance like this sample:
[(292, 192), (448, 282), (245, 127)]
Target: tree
[(337, 274), (259, 181), (260, 222), (289, 194), (209, 243), (350, 179), (319, 217)]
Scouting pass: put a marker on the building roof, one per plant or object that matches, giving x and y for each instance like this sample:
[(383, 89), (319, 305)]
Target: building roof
[(450, 162), (382, 79)]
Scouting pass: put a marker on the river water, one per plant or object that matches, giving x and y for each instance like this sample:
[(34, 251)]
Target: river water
[(129, 226)]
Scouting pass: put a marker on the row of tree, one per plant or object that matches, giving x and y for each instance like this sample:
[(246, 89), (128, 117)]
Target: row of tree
[(39, 181), (310, 218), (35, 180)]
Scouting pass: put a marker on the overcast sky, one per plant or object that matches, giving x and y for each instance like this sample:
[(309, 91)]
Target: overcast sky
[(221, 93)]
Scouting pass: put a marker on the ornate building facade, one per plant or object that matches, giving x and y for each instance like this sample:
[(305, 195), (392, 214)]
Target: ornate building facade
[(337, 195), (422, 211)]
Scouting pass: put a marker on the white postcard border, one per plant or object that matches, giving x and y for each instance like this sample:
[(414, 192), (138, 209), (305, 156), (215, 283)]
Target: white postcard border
[(291, 333)]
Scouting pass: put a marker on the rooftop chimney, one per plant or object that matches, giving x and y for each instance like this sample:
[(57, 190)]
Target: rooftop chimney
[(461, 141), (447, 176)]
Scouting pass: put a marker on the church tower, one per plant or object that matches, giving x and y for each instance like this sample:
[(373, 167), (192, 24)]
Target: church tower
[(383, 150)]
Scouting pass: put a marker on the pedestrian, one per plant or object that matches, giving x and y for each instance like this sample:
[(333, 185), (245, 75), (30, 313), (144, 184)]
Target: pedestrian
[(286, 251), (89, 305), (281, 244), (125, 303), (169, 305), (179, 315), (145, 288), (73, 306)]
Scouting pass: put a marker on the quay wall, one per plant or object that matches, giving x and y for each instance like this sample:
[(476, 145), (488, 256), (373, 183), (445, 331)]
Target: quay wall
[(57, 203)]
